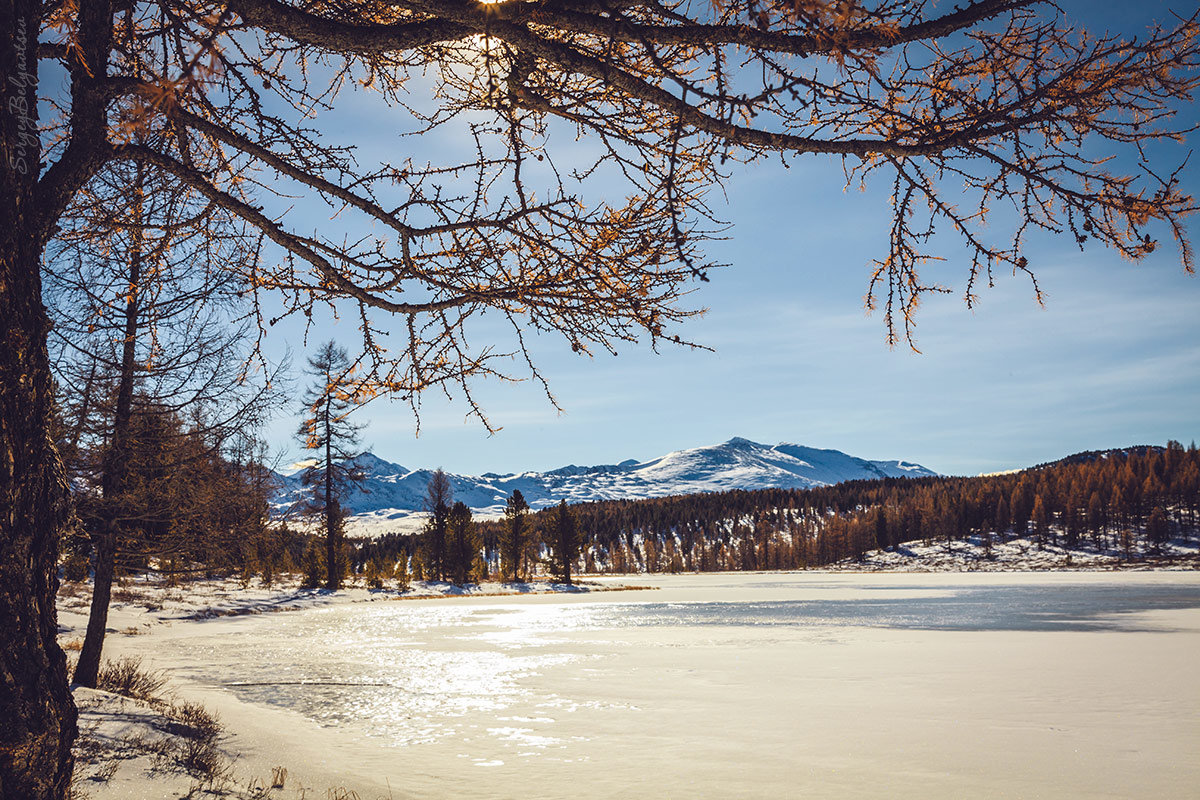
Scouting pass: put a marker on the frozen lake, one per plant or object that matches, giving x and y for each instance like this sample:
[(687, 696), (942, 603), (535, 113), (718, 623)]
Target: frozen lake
[(718, 686)]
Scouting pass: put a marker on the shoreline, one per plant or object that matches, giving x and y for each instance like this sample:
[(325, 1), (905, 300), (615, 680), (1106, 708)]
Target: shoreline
[(214, 598)]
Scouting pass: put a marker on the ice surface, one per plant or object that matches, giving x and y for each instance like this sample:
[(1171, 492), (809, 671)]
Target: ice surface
[(724, 686)]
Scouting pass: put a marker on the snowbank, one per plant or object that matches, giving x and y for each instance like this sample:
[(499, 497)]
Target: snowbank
[(1016, 555)]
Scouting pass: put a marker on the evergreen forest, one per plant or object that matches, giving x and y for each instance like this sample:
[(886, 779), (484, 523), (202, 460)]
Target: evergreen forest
[(1128, 502)]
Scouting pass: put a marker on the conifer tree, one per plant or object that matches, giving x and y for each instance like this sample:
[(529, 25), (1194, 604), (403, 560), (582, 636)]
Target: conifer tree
[(462, 544), (327, 431), (1041, 521), (564, 542), (1021, 506), (620, 558), (1158, 529), (881, 529), (438, 495), (311, 565), (1096, 519), (1002, 518), (401, 575), (514, 539), (650, 551), (1189, 483)]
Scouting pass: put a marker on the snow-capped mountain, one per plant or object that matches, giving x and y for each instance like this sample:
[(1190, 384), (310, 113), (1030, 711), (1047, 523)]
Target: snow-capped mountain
[(391, 493)]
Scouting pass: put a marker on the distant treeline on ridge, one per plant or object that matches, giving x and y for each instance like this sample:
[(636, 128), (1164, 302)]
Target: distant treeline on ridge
[(1129, 502)]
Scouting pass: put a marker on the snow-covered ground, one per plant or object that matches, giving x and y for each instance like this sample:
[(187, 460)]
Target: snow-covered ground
[(141, 604), (815, 684), (138, 749), (1018, 555)]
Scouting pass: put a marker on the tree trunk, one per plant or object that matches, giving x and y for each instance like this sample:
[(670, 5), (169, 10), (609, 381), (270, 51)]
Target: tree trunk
[(37, 713), (37, 716), (87, 669), (116, 467), (333, 577)]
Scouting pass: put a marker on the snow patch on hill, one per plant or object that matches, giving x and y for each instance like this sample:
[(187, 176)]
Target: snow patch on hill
[(1019, 554), (392, 496)]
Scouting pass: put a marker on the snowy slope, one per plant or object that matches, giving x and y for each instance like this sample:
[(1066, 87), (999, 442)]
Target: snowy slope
[(393, 492)]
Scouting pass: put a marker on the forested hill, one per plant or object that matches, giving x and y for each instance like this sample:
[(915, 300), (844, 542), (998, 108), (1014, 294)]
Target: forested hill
[(1095, 455), (1129, 501)]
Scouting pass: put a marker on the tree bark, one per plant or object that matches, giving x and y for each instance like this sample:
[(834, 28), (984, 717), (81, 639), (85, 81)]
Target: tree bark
[(87, 669), (37, 715)]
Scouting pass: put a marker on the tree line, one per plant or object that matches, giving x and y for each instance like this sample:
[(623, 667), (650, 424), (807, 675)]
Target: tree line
[(191, 507), (1127, 502), (454, 547)]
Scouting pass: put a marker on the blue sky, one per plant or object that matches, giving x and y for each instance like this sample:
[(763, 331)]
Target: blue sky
[(1113, 359)]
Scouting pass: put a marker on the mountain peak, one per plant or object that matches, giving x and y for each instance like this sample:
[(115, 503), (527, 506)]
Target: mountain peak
[(390, 492), (368, 461)]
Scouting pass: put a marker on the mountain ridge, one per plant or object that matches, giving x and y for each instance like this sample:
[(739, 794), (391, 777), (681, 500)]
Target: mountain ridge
[(393, 494)]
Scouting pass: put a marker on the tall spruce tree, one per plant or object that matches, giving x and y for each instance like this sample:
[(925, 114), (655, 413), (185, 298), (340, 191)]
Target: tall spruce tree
[(438, 495), (514, 539), (564, 542), (462, 544), (329, 434)]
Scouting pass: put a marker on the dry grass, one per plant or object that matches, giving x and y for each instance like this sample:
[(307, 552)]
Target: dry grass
[(184, 740), (123, 594), (74, 589), (72, 645), (196, 732), (194, 721), (106, 770), (125, 676)]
